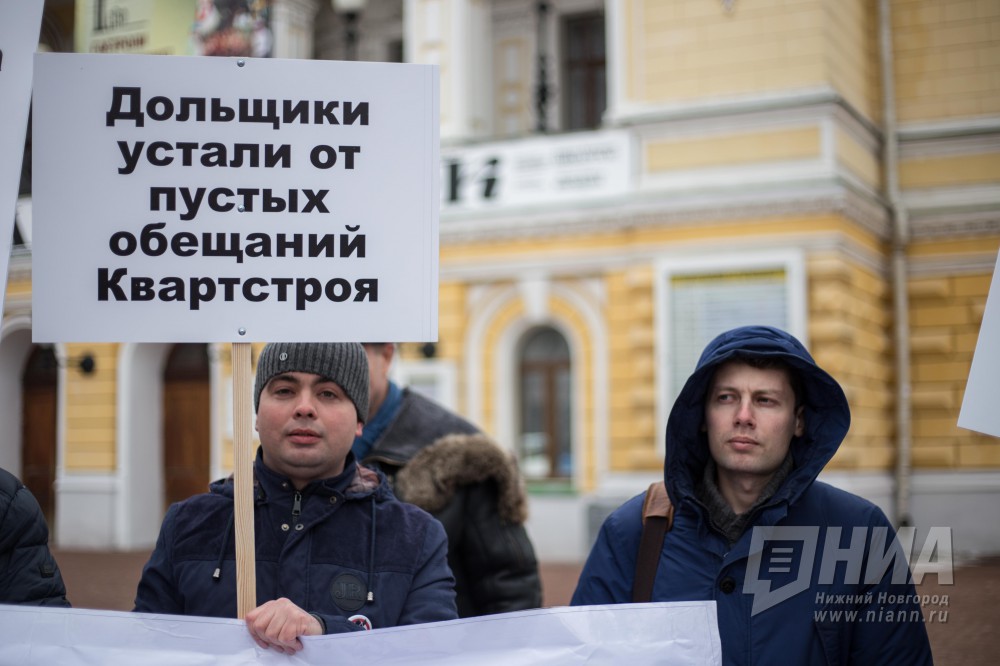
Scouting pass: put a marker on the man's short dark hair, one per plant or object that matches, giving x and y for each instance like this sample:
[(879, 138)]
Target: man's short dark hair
[(773, 363)]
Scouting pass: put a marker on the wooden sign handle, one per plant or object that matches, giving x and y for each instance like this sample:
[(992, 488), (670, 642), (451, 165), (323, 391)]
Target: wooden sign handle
[(243, 455)]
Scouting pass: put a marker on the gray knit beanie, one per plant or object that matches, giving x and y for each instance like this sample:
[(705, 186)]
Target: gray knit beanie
[(344, 363)]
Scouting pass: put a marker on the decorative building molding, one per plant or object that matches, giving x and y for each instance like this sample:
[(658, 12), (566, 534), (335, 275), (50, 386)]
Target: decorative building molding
[(505, 269), (586, 428), (955, 225), (960, 264), (513, 17), (948, 129), (792, 187), (595, 289), (737, 106), (649, 210), (961, 211), (949, 146), (757, 113), (535, 289)]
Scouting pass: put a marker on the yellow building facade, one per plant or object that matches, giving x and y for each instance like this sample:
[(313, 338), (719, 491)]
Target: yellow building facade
[(828, 166)]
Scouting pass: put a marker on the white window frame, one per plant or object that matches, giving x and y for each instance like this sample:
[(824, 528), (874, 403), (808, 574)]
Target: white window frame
[(441, 374), (791, 262)]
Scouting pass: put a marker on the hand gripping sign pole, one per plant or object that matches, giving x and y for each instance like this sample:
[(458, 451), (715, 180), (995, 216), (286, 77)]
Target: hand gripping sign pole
[(246, 574)]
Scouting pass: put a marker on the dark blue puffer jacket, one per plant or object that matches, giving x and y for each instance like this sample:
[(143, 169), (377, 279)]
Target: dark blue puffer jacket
[(28, 573), (340, 547), (803, 615)]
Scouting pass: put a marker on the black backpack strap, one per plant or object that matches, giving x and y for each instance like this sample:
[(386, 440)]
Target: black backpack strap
[(657, 519)]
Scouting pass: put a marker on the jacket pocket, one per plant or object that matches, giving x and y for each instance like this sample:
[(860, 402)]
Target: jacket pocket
[(834, 634)]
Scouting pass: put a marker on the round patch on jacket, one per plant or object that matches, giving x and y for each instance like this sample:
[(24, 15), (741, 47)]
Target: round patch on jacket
[(361, 621), (349, 592)]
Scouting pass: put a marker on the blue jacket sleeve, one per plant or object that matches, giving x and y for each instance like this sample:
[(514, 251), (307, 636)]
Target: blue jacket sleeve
[(609, 571)]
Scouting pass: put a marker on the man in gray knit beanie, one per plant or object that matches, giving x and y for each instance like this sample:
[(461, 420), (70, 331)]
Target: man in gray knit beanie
[(322, 567), (343, 363)]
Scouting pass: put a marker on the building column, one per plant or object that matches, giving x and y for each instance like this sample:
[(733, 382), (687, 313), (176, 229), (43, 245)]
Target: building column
[(292, 26), (456, 35)]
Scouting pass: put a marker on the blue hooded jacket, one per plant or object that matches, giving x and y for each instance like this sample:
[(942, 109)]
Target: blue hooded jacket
[(821, 587), (338, 548)]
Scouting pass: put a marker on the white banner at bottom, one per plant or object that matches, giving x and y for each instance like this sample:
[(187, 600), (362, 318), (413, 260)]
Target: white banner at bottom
[(676, 633)]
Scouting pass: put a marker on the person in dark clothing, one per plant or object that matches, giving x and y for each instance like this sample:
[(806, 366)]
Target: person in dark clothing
[(445, 465), (335, 550), (754, 530), (29, 574)]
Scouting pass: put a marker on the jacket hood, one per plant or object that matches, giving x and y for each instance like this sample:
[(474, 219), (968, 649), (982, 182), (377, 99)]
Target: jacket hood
[(432, 477), (826, 412)]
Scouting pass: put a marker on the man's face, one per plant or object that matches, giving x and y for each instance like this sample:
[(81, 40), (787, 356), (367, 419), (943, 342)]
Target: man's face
[(379, 359), (306, 426), (750, 419)]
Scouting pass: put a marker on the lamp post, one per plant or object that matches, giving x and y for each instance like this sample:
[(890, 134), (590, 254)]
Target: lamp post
[(542, 86), (350, 10)]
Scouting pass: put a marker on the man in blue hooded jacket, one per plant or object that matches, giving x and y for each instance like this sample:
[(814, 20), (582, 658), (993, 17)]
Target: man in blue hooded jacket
[(801, 572), (335, 550)]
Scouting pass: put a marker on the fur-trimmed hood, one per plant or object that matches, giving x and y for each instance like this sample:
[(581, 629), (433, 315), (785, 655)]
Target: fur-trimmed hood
[(433, 475)]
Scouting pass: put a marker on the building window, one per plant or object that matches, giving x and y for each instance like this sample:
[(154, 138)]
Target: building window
[(433, 378), (544, 443), (584, 95), (702, 297), (702, 306)]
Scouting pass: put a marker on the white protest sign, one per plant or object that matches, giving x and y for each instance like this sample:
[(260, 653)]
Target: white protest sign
[(234, 200), (979, 411), (19, 25), (676, 633)]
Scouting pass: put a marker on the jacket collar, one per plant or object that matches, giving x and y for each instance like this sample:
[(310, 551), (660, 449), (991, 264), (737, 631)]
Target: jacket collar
[(355, 482), (378, 422)]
